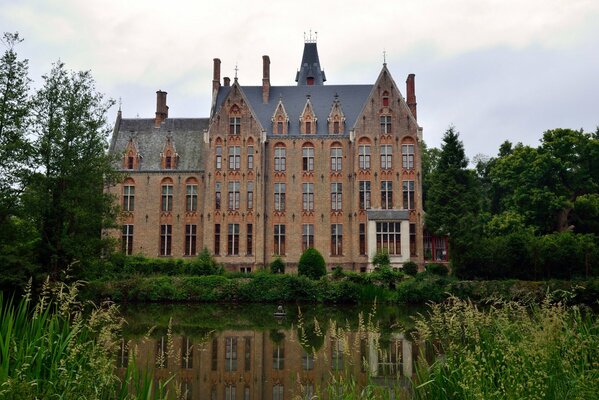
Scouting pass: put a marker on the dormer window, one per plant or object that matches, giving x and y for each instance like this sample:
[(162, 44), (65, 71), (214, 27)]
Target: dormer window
[(131, 158), (385, 99), (308, 119), (308, 127), (310, 81), (130, 162), (336, 127), (280, 119), (169, 155), (168, 162), (336, 119)]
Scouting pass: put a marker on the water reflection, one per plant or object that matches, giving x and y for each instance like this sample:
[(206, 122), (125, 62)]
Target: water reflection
[(295, 358)]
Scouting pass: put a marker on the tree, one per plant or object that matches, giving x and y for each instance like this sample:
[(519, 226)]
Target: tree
[(277, 266), (66, 193), (430, 159), (311, 264)]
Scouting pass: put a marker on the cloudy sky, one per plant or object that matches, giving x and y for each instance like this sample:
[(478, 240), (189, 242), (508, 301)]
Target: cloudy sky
[(495, 69)]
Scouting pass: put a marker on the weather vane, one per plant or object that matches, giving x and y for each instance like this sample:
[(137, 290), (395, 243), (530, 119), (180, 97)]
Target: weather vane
[(309, 38), (236, 69), (120, 103), (384, 57)]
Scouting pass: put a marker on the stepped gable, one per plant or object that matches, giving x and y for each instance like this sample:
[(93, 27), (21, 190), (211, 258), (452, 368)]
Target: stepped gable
[(187, 135)]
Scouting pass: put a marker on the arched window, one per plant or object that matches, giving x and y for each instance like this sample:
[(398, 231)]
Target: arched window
[(166, 203), (191, 195)]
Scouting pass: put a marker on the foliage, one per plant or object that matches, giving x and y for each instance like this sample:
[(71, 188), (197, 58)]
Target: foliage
[(311, 264), (410, 268), (381, 259), (507, 351), (277, 266), (437, 269), (205, 264), (338, 272)]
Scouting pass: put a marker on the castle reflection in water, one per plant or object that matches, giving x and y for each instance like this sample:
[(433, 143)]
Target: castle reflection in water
[(273, 365)]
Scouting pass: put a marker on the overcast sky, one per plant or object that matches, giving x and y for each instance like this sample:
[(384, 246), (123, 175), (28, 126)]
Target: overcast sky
[(495, 69)]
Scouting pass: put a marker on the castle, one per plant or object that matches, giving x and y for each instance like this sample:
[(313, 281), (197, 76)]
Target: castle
[(274, 170)]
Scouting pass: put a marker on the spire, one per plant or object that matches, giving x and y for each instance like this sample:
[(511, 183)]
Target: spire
[(310, 72)]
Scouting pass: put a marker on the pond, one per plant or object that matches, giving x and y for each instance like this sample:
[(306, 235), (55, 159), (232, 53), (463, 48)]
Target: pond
[(246, 352)]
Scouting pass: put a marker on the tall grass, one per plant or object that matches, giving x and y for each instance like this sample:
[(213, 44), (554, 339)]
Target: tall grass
[(508, 351), (51, 349)]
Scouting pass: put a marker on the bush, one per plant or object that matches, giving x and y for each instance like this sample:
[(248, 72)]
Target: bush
[(410, 268), (204, 264), (311, 264), (338, 272), (437, 269), (381, 259), (277, 266)]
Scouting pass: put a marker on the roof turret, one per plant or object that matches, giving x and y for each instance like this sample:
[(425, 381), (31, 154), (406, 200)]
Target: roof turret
[(310, 72)]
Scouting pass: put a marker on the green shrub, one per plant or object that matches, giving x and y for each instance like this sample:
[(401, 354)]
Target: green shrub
[(437, 269), (311, 264), (204, 264), (410, 268), (338, 273), (277, 266), (381, 259)]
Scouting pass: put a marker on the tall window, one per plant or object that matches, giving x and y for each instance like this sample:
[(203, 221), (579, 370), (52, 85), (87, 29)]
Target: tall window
[(336, 196), (388, 237), (216, 239), (161, 353), (250, 157), (278, 392), (219, 157), (336, 239), (128, 198), (186, 353), (308, 197), (230, 354), (307, 236), (278, 356), (192, 198), (407, 156), (280, 196), (385, 124), (337, 354), (168, 163), (249, 244), (307, 362), (364, 187), (233, 240), (247, 348), (279, 127), (129, 162), (166, 239), (280, 157), (234, 125), (336, 127), (230, 391), (217, 195), (234, 195), (234, 157), (308, 158), (190, 239), (386, 194), (412, 240), (364, 156), (250, 195), (167, 198), (279, 239), (127, 240), (308, 127), (386, 157), (336, 157), (214, 359), (362, 230), (408, 195)]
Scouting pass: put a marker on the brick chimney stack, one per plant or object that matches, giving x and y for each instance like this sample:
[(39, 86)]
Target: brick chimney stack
[(161, 108), (227, 81), (411, 93), (265, 79), (216, 78)]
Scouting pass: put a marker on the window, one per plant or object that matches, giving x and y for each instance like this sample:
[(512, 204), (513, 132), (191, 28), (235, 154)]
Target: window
[(386, 157), (407, 156), (307, 361), (216, 239), (233, 240), (279, 240), (385, 99), (168, 162), (336, 156), (250, 195), (192, 198), (385, 124), (308, 158), (386, 194), (129, 162), (308, 197), (308, 127), (362, 230), (217, 195), (230, 392), (234, 195), (336, 239), (364, 194), (280, 158), (246, 393), (128, 198), (336, 196), (166, 239), (214, 358), (234, 157), (412, 240), (440, 250), (337, 354), (234, 125), (408, 195), (186, 353), (219, 157), (278, 389), (161, 353), (279, 128), (249, 244), (279, 196), (388, 237), (307, 236), (127, 240), (248, 354), (230, 354), (278, 356), (190, 239), (167, 198), (250, 157), (364, 156), (336, 127)]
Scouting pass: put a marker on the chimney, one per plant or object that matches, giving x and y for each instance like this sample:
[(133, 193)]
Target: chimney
[(227, 81), (411, 92), (216, 78), (161, 108), (265, 79)]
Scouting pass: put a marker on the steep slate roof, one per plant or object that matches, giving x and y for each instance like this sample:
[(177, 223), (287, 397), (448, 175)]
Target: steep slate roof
[(351, 99), (187, 137), (310, 66)]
